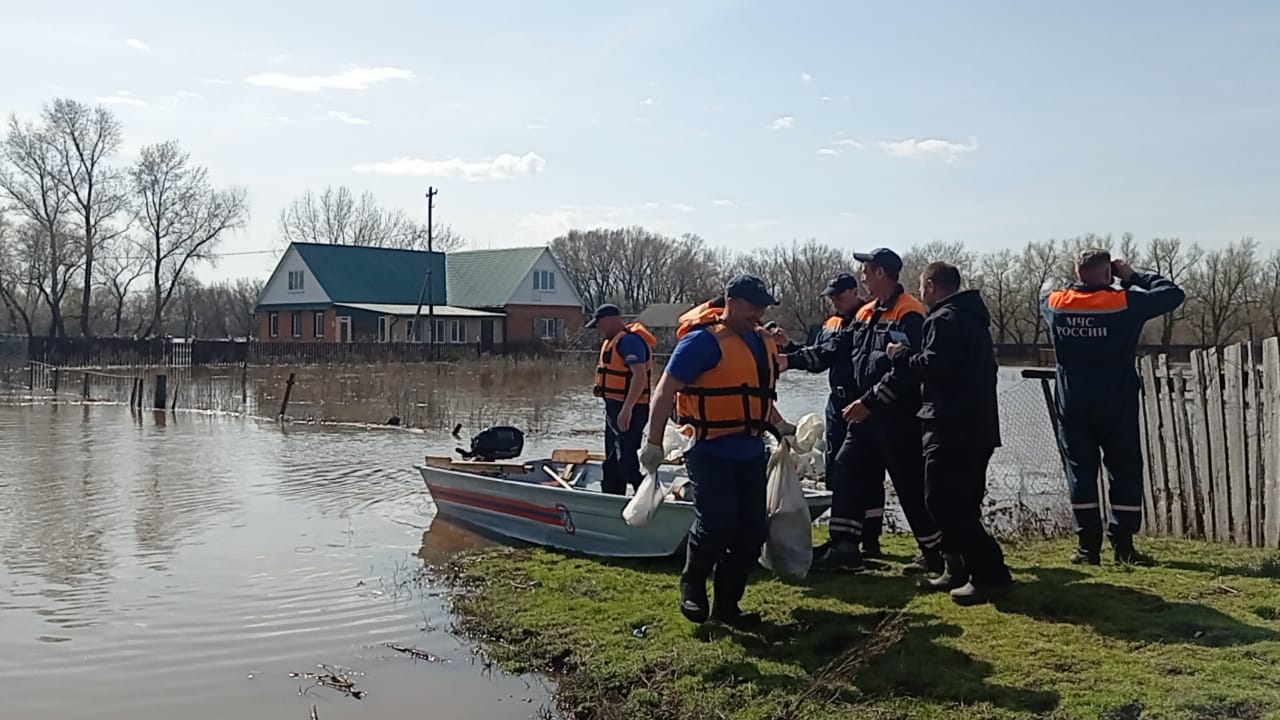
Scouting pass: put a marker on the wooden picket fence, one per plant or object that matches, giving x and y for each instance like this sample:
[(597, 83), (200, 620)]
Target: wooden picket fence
[(1211, 445)]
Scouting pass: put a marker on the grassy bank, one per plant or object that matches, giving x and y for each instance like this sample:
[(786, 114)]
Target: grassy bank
[(1198, 636)]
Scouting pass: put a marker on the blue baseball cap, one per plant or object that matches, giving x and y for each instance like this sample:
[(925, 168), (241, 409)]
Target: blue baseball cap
[(881, 257), (841, 283), (604, 311), (750, 288)]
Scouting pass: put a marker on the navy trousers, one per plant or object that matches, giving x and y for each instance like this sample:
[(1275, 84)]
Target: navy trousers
[(839, 480), (955, 481), (729, 519), (1103, 432), (622, 449)]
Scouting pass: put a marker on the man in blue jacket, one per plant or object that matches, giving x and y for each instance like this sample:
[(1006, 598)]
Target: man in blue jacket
[(1095, 327)]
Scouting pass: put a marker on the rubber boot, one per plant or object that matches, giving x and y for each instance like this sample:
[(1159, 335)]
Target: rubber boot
[(693, 585), (954, 575), (871, 528), (971, 594), (928, 561), (840, 555), (729, 585), (1089, 551), (1126, 554)]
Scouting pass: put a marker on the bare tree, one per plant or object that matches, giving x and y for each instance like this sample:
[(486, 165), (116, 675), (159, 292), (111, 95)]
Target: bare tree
[(1172, 259), (1002, 288), (915, 260), (124, 263), (337, 217), (1039, 269), (1219, 289), (797, 273), (182, 216), (82, 139), (13, 273), (30, 182), (1073, 247)]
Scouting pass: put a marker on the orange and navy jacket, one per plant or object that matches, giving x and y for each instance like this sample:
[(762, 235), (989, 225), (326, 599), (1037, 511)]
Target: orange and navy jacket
[(840, 366), (613, 375), (863, 344), (1095, 329), (735, 396)]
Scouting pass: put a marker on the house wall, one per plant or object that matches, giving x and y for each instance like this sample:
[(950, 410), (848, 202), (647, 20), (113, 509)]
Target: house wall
[(564, 294), (285, 328), (277, 292), (522, 321), (470, 332)]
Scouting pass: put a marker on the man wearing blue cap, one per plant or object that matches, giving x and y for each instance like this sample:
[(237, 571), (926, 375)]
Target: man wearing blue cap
[(883, 432), (837, 359), (721, 382), (622, 380)]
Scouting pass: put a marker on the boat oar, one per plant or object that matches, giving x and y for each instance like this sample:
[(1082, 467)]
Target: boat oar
[(555, 476)]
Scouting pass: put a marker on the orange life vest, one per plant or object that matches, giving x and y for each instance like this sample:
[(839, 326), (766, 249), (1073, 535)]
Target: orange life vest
[(613, 376), (736, 396)]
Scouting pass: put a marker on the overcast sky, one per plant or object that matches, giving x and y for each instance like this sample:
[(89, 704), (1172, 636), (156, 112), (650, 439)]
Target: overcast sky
[(992, 123)]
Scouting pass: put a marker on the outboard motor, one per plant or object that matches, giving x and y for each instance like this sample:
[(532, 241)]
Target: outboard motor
[(501, 442)]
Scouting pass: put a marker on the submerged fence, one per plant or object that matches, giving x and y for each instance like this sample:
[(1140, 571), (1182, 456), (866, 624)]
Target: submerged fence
[(1210, 444)]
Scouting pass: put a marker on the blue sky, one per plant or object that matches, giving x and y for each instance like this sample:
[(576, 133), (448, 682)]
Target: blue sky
[(750, 123)]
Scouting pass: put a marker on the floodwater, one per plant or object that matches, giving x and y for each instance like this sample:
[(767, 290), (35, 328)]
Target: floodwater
[(185, 564)]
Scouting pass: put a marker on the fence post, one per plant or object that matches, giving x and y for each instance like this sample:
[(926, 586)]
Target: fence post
[(133, 394), (1271, 463), (1252, 440), (31, 377), (1174, 452), (162, 386), (1218, 445), (244, 385), (288, 390), (1233, 395), (86, 386), (57, 376)]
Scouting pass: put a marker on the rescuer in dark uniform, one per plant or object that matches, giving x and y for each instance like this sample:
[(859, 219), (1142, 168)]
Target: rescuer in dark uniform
[(623, 378), (1095, 328), (883, 432), (842, 291)]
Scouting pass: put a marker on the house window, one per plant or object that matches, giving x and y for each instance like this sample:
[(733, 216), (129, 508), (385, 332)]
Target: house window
[(458, 331), (409, 331), (550, 328), (438, 335), (296, 324), (295, 281), (273, 324), (382, 328), (318, 327), (544, 280)]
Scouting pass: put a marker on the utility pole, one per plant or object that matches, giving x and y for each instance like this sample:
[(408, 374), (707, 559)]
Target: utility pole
[(426, 281)]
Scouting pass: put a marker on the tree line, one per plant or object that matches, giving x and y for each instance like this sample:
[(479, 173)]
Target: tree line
[(1233, 291), (90, 245)]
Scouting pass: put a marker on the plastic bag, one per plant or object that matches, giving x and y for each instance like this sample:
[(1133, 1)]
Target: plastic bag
[(645, 503), (788, 551)]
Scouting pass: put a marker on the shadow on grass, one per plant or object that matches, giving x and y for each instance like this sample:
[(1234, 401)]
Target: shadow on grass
[(1126, 613), (914, 665)]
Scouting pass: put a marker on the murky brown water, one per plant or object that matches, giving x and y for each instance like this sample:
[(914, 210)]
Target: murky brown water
[(184, 564)]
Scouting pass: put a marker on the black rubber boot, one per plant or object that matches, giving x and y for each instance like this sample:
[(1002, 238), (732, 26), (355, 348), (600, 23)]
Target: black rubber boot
[(1089, 551), (693, 585), (1126, 554), (953, 576), (927, 562), (730, 584), (839, 555), (871, 548), (971, 594)]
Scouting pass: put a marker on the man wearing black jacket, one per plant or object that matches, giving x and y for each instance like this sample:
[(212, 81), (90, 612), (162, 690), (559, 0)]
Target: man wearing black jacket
[(961, 429)]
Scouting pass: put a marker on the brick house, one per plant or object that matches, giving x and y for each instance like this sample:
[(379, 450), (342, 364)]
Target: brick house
[(343, 293)]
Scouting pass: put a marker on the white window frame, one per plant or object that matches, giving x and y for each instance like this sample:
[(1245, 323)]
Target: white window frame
[(273, 324), (382, 328), (295, 324), (297, 281), (557, 326), (409, 330), (457, 331), (317, 325), (544, 280)]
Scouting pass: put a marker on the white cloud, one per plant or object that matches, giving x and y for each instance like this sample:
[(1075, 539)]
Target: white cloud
[(681, 207), (929, 148), (353, 79), (806, 78), (724, 203), (786, 122), (137, 44), (499, 167), (347, 118), (839, 146), (828, 151), (649, 101), (122, 97), (825, 98)]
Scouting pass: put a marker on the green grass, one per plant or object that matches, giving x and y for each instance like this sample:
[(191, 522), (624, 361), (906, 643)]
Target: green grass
[(1197, 636)]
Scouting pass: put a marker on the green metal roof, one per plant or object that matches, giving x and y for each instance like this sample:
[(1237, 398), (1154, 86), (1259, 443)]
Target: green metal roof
[(488, 278), (359, 274)]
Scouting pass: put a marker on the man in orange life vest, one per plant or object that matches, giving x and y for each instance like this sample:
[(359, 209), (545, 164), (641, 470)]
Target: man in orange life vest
[(721, 381), (842, 291), (1095, 328), (623, 376), (884, 431)]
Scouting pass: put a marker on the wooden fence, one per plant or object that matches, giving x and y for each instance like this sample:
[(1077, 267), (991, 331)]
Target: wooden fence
[(1212, 445)]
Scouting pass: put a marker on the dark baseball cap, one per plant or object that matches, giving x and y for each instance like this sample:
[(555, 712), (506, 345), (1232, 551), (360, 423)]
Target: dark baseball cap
[(843, 282), (882, 257), (750, 288), (604, 311)]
